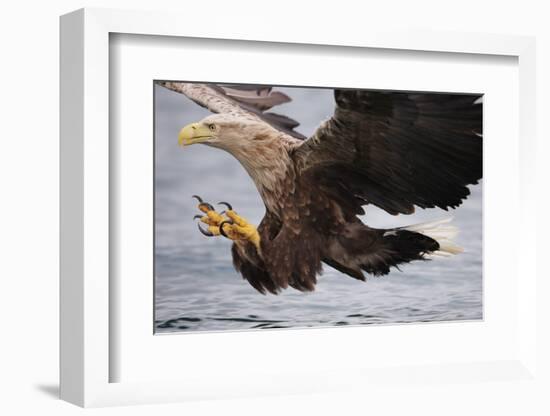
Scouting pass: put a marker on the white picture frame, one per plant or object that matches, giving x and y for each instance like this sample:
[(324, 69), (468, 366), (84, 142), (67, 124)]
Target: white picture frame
[(86, 304)]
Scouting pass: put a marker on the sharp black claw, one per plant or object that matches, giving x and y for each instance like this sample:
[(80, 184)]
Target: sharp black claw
[(197, 216), (201, 202), (227, 204), (222, 232), (204, 232)]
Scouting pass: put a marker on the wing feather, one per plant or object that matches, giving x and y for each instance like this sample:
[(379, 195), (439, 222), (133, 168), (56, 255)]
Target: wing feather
[(244, 102), (397, 150)]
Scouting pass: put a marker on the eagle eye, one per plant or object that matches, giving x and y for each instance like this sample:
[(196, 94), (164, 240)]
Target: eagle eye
[(212, 127)]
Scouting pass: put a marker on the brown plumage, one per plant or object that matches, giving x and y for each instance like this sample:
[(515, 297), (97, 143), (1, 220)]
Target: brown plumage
[(393, 150)]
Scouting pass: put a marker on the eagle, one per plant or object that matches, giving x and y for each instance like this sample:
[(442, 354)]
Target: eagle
[(394, 150)]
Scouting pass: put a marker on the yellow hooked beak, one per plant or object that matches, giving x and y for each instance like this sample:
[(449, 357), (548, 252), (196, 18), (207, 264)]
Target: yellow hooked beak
[(194, 133)]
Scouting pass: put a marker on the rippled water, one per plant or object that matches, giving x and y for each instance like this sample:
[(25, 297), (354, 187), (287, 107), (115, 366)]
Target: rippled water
[(197, 289)]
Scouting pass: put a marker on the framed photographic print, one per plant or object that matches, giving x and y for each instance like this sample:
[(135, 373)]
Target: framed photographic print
[(273, 214), (389, 151)]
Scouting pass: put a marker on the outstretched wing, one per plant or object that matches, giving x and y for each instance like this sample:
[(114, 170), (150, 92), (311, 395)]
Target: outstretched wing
[(248, 102), (397, 150)]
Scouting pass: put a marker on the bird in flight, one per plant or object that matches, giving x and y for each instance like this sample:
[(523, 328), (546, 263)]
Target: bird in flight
[(394, 150)]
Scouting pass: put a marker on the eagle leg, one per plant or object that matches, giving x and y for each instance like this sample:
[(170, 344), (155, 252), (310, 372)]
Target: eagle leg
[(239, 229)]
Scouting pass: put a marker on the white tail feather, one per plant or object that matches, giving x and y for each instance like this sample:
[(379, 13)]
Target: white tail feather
[(442, 232)]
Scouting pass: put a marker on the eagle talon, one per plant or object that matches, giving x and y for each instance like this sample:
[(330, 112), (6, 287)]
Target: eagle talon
[(211, 218), (226, 223), (238, 229), (227, 204), (206, 207), (222, 232), (203, 206), (205, 232)]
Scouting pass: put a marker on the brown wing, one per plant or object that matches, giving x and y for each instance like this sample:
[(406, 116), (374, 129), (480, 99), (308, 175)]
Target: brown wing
[(397, 150), (249, 102)]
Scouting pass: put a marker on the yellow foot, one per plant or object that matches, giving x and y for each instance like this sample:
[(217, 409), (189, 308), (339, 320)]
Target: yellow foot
[(231, 225), (239, 229), (212, 218)]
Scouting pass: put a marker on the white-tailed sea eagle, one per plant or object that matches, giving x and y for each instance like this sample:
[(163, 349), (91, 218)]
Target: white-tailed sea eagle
[(395, 150)]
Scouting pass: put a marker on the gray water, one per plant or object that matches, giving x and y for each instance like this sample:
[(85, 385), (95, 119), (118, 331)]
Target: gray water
[(197, 289)]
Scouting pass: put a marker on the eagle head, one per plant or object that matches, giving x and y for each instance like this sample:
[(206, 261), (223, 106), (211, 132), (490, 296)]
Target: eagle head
[(220, 130)]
